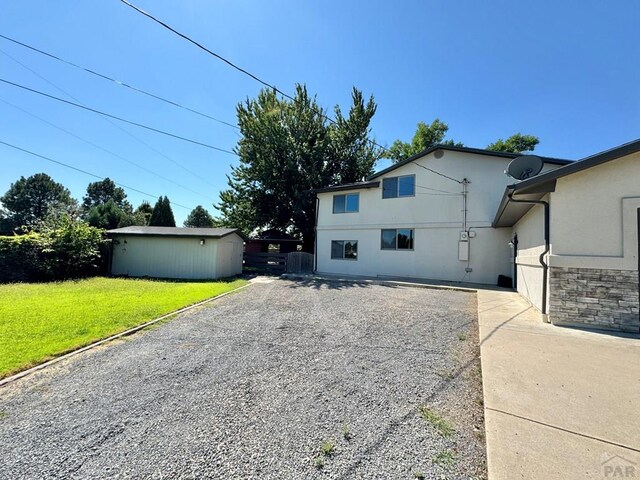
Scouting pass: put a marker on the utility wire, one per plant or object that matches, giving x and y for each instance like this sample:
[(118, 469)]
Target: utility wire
[(111, 122), (256, 78), (103, 149), (438, 173), (119, 82), (115, 117), (85, 172)]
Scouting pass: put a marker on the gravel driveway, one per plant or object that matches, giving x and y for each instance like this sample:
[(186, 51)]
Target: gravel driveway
[(255, 384)]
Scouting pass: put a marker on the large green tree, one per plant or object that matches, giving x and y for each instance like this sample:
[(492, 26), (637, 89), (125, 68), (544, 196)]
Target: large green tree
[(289, 147), (109, 215), (516, 143), (162, 215), (427, 136), (105, 206), (33, 200), (199, 217), (99, 193)]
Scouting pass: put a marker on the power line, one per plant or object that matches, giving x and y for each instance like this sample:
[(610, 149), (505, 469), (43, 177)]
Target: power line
[(438, 173), (111, 122), (85, 172), (103, 149), (256, 78), (115, 117), (119, 82)]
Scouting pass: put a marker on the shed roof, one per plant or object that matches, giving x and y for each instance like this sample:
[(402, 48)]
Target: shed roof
[(175, 232), (536, 187)]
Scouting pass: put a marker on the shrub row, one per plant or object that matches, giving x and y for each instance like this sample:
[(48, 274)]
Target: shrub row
[(70, 250)]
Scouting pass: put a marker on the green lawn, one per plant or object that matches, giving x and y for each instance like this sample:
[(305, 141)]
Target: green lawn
[(43, 320)]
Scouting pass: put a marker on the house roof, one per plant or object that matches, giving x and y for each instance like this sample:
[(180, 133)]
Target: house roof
[(477, 151), (176, 232), (347, 186), (536, 187)]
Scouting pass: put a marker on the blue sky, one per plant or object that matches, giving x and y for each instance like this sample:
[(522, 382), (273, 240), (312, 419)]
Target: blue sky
[(568, 72)]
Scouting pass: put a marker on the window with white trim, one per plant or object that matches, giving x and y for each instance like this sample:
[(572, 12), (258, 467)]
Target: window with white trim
[(396, 239), (344, 249), (395, 187), (346, 203)]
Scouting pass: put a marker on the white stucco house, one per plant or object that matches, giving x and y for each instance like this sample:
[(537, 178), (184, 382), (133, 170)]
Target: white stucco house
[(451, 213), (172, 252), (576, 250), (408, 221)]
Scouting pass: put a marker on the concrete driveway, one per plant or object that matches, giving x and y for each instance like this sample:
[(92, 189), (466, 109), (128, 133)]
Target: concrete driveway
[(560, 403), (255, 384)]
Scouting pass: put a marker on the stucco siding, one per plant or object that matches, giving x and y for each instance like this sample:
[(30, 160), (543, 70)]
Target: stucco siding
[(588, 217), (435, 212), (164, 257), (435, 255), (229, 256), (530, 232)]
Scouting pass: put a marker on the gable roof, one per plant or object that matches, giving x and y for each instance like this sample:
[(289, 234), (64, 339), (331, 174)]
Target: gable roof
[(536, 187), (175, 232), (477, 151)]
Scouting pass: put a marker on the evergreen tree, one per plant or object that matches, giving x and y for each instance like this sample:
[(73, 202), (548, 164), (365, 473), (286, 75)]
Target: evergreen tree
[(199, 218), (144, 211), (162, 215), (31, 201), (109, 215), (99, 193)]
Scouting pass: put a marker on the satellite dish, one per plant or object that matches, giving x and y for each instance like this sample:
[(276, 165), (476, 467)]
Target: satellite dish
[(525, 166)]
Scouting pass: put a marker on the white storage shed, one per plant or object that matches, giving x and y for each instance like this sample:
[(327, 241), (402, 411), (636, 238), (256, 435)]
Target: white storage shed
[(172, 252)]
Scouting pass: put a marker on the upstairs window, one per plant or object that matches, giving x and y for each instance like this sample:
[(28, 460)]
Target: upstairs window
[(344, 249), (397, 239), (347, 203), (394, 187)]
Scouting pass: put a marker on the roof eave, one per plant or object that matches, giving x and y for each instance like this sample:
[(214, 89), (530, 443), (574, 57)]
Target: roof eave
[(535, 191), (352, 186)]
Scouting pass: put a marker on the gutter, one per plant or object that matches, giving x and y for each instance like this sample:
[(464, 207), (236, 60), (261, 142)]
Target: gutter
[(547, 247)]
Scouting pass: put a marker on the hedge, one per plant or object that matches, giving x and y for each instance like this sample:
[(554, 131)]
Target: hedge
[(71, 250)]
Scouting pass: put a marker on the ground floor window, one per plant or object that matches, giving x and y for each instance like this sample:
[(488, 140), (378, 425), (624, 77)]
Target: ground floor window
[(344, 249), (396, 239)]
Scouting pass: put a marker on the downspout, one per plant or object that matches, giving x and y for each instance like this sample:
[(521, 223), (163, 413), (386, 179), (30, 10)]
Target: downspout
[(315, 236), (547, 244)]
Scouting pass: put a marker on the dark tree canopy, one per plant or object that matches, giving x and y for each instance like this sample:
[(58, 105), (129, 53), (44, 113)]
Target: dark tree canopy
[(145, 210), (516, 143), (199, 218), (427, 136), (289, 147), (162, 215), (36, 199), (99, 193), (109, 215)]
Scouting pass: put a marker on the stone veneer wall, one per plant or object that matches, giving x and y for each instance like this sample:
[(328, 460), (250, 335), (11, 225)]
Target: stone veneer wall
[(595, 298)]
